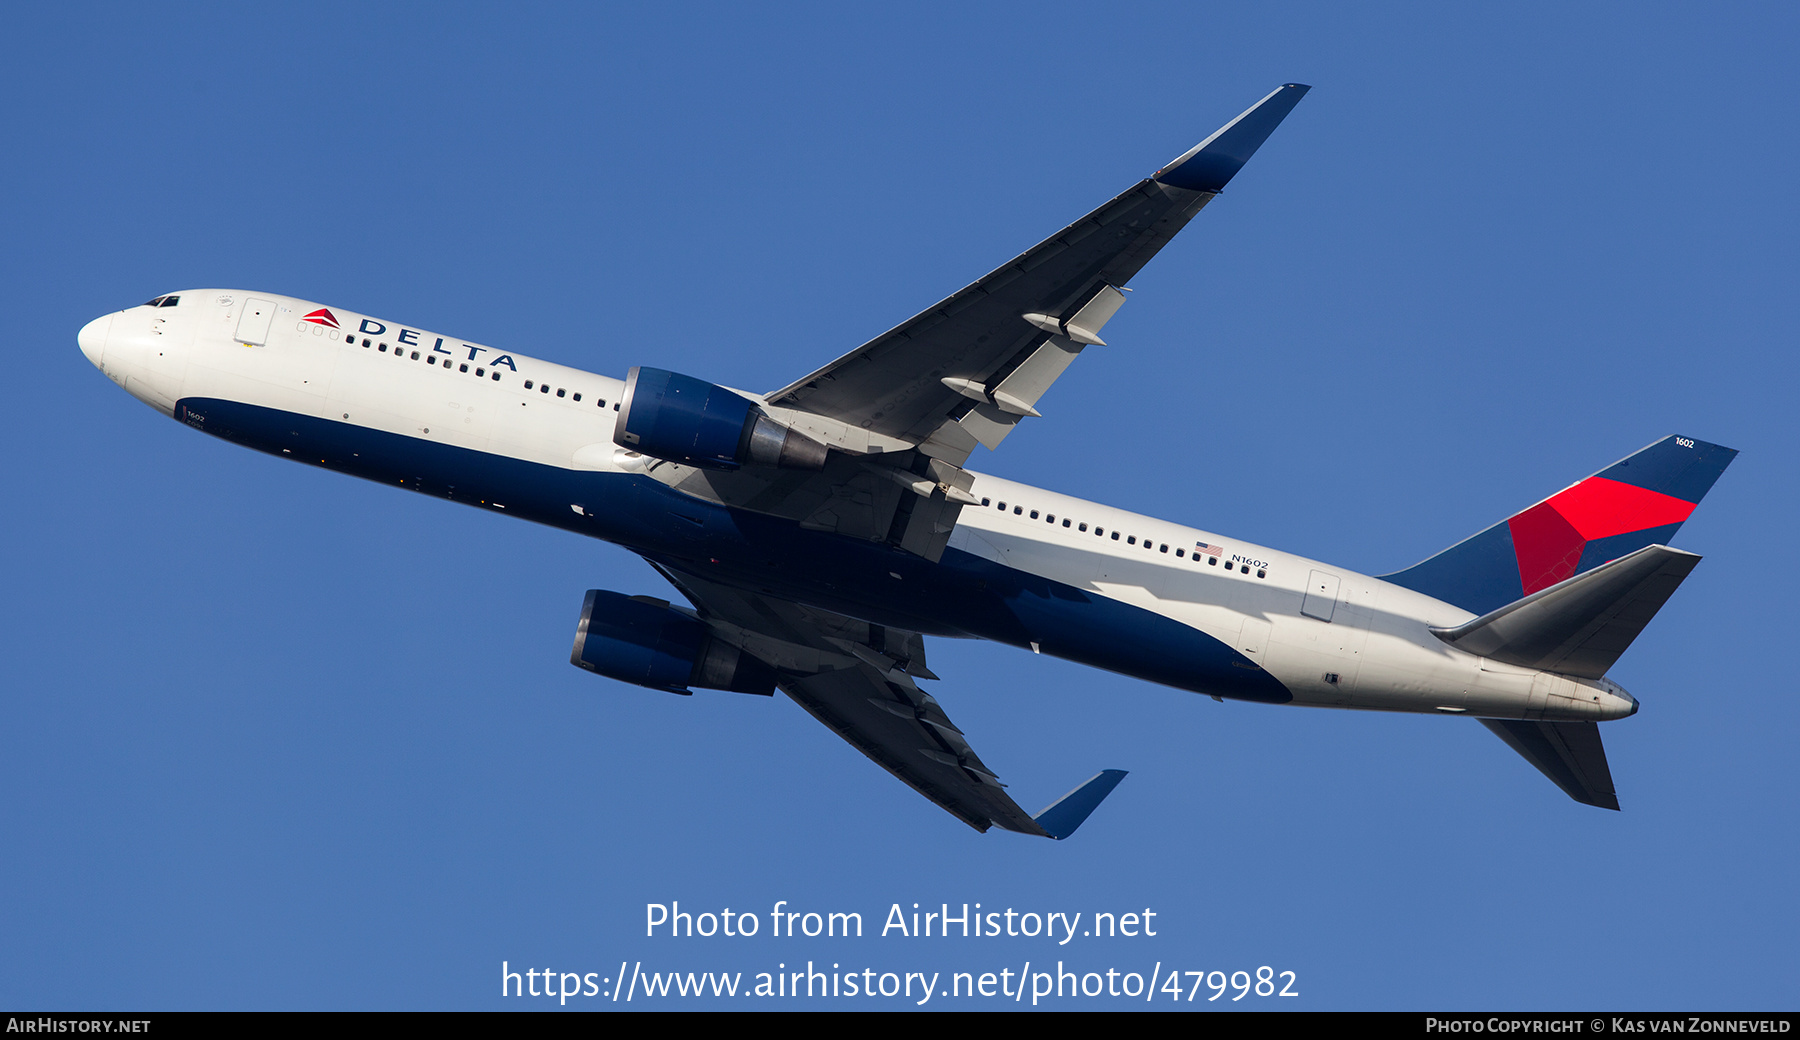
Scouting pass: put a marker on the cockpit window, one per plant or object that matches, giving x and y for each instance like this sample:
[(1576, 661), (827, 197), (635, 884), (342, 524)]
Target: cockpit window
[(164, 301), (156, 302)]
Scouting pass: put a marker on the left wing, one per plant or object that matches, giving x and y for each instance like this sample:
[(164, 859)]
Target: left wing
[(858, 679)]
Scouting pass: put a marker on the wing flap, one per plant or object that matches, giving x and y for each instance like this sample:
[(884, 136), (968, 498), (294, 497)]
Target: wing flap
[(931, 759)]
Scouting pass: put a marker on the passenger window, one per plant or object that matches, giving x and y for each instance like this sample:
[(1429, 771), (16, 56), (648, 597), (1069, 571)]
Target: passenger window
[(462, 368), (415, 355), (383, 346), (559, 391), (1212, 561), (1050, 518), (431, 359), (1115, 536), (577, 398), (1002, 507), (495, 377), (1162, 548), (1066, 522), (527, 384), (1262, 574), (1132, 540), (1034, 514), (1083, 527), (987, 502), (1018, 509)]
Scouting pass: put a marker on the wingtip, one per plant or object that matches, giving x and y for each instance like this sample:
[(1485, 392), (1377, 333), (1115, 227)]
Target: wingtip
[(1067, 813), (1211, 164)]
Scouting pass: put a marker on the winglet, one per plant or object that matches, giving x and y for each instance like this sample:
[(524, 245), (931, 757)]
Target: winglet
[(1210, 164), (1067, 813)]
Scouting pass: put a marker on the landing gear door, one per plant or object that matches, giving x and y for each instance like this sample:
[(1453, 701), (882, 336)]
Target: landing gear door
[(1321, 596)]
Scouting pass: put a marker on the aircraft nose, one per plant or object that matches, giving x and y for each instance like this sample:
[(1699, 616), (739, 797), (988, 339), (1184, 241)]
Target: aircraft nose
[(92, 338)]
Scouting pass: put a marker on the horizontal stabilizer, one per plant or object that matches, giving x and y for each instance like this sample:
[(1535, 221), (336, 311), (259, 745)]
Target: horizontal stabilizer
[(1569, 753), (1068, 812), (1581, 625), (1210, 164)]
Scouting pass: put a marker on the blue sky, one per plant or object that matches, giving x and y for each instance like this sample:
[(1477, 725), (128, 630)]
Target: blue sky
[(278, 738)]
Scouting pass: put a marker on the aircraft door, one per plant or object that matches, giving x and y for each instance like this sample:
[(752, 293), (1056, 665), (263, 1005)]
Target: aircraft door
[(1253, 640), (1321, 596), (253, 322)]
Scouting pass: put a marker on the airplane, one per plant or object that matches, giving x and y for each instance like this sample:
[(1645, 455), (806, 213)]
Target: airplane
[(823, 530)]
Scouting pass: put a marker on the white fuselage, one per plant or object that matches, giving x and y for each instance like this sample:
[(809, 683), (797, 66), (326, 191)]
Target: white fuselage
[(1332, 637)]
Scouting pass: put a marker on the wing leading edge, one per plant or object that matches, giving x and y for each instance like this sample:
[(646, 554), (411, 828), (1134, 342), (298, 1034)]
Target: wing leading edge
[(966, 370), (896, 419), (858, 679)]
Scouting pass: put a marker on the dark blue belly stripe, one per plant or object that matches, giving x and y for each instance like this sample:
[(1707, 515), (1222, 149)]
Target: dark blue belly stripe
[(962, 595)]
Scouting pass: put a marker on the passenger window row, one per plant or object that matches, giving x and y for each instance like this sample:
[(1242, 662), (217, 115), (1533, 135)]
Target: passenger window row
[(431, 358), (544, 388), (1212, 560), (480, 372)]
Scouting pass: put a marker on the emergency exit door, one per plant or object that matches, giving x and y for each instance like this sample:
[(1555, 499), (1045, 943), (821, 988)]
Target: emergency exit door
[(1321, 596)]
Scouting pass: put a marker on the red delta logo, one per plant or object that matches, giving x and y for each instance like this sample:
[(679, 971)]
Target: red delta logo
[(322, 316), (1550, 537)]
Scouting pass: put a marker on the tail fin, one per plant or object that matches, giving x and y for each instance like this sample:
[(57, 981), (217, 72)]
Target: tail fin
[(1638, 501)]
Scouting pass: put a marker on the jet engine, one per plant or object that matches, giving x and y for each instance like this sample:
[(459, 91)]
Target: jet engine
[(667, 415), (646, 642)]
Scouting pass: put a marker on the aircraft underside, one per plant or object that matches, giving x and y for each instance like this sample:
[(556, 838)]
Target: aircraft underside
[(960, 596)]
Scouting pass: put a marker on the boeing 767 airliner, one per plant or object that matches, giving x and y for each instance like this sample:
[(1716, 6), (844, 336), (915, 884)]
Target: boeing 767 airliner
[(823, 530)]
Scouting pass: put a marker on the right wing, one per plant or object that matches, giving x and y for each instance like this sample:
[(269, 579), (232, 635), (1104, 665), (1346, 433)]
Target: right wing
[(858, 679), (897, 417), (967, 369)]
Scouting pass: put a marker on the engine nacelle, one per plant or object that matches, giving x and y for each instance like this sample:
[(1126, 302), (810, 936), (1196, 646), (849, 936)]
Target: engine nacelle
[(646, 642), (667, 415)]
